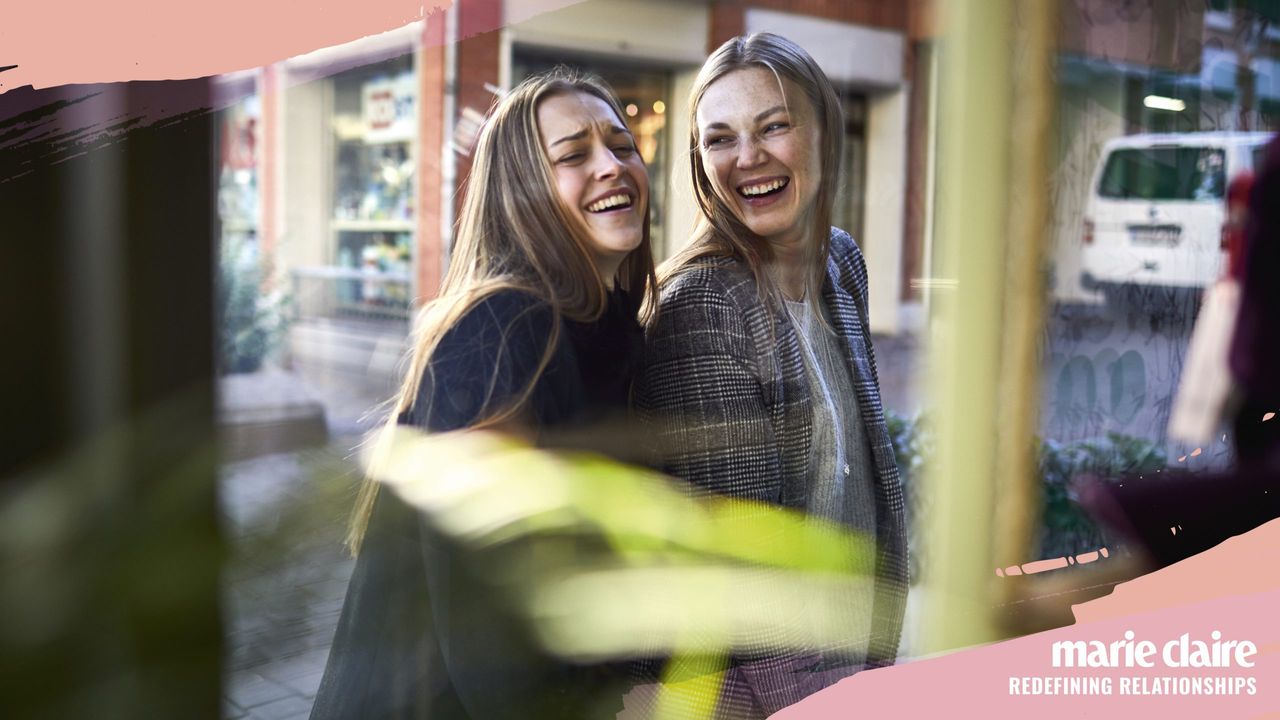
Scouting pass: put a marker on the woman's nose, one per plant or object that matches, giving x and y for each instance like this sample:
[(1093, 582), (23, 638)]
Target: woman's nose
[(750, 154), (606, 165)]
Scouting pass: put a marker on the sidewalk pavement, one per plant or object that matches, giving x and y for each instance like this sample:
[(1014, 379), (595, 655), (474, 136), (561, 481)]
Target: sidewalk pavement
[(287, 576), (286, 515)]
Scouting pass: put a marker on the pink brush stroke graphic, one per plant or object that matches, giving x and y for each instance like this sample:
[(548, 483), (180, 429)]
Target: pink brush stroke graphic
[(64, 43), (1231, 588), (59, 43)]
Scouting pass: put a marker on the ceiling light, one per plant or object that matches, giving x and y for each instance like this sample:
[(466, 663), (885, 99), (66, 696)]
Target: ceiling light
[(1159, 102)]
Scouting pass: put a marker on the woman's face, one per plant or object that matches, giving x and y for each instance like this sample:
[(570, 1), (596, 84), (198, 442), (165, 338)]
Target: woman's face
[(598, 172), (760, 148)]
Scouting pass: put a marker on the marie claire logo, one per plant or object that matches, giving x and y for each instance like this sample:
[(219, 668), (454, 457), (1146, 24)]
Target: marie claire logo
[(1183, 652), (1216, 655)]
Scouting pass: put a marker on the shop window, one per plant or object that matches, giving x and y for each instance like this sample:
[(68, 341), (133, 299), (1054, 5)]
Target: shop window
[(372, 216), (1140, 223), (238, 171), (851, 197)]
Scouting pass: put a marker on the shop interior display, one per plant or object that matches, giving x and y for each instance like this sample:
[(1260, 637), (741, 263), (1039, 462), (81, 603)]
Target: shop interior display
[(373, 182), (373, 218), (383, 259)]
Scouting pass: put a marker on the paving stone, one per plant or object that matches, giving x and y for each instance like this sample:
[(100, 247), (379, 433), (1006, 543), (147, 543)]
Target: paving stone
[(250, 690), (308, 684), (286, 670), (231, 711), (285, 708)]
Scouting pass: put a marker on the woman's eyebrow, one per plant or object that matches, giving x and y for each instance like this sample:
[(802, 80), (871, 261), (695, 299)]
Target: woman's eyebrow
[(570, 138), (770, 111), (759, 116)]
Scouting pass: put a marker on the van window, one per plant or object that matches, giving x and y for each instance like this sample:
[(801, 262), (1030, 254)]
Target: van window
[(1164, 173), (1259, 154)]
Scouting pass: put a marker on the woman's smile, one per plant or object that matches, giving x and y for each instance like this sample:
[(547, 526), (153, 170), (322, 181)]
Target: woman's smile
[(764, 192)]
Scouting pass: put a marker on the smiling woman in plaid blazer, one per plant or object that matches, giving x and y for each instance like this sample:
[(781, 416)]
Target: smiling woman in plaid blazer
[(759, 378)]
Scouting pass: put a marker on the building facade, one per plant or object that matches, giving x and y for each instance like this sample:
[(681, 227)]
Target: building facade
[(357, 153)]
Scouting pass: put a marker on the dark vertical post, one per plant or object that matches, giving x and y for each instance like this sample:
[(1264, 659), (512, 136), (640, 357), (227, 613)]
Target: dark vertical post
[(109, 540)]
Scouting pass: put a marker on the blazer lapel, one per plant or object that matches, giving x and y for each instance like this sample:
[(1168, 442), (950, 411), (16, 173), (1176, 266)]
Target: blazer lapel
[(849, 326)]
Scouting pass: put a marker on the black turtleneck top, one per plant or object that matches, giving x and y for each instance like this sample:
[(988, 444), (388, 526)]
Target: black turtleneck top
[(422, 632), (492, 353)]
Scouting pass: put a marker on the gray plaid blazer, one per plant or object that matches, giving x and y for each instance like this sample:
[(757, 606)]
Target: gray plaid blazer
[(724, 392)]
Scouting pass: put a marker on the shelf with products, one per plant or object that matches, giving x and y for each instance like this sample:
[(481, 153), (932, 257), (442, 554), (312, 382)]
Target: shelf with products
[(372, 218), (383, 261), (370, 226), (374, 127), (373, 182)]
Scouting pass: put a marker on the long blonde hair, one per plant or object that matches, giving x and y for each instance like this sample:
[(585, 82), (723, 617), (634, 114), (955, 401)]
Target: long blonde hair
[(513, 233), (720, 234)]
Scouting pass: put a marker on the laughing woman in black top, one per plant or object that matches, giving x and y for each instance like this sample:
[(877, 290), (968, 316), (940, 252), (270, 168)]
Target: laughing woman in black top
[(535, 331)]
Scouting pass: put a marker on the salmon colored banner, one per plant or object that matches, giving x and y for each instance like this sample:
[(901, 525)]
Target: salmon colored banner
[(45, 44)]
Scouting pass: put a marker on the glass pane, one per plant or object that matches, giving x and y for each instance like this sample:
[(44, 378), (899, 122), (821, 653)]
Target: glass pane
[(1164, 173), (1131, 281), (374, 125), (238, 168)]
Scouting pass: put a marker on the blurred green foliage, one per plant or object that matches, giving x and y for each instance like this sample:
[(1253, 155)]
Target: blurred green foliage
[(252, 319), (913, 446), (611, 561), (1065, 528)]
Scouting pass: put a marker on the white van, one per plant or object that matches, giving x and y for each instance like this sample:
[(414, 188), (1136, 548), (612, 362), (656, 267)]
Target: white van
[(1156, 208)]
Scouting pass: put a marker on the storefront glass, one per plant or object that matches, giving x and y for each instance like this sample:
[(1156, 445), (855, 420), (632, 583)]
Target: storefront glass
[(374, 127), (238, 170), (353, 212), (1158, 114), (850, 200)]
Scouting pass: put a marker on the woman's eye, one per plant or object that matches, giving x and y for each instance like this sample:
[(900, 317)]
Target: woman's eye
[(772, 127), (718, 141), (624, 150), (569, 159)]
